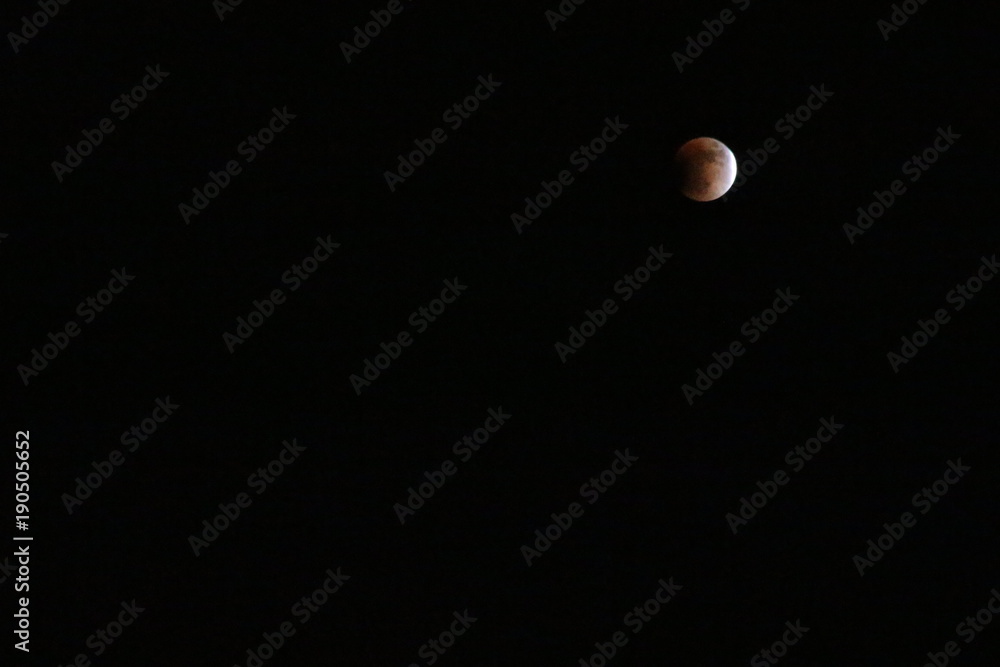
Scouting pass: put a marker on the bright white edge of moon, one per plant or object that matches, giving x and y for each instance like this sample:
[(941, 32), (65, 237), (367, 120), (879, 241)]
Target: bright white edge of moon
[(731, 169)]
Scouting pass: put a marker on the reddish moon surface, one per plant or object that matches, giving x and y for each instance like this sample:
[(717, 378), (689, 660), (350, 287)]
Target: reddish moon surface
[(707, 168)]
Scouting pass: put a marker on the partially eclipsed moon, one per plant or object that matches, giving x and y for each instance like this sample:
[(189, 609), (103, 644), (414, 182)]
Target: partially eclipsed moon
[(707, 168)]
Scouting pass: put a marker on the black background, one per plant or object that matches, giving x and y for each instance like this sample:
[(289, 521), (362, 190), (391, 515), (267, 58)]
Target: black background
[(494, 347)]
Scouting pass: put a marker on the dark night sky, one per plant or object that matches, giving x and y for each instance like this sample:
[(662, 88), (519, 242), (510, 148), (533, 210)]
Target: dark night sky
[(494, 347)]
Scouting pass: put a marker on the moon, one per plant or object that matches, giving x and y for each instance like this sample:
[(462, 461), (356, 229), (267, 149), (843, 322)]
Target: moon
[(707, 168)]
